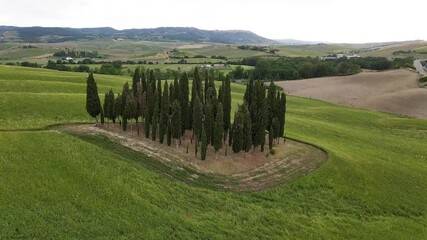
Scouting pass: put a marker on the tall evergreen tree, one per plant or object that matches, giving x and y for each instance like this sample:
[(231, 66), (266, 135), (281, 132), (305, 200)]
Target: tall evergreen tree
[(147, 123), (135, 80), (164, 113), (118, 107), (155, 120), (209, 121), (271, 99), (226, 103), (247, 129), (130, 108), (282, 116), (168, 133), (105, 107), (185, 101), (204, 143), (275, 128), (218, 129), (237, 139), (93, 104), (195, 90), (197, 118), (176, 121), (111, 106)]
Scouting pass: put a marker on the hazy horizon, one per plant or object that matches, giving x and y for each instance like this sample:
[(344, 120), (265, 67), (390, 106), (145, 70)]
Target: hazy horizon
[(329, 21)]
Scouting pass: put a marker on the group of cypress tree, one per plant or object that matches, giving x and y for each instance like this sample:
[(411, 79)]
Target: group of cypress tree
[(260, 113), (167, 112)]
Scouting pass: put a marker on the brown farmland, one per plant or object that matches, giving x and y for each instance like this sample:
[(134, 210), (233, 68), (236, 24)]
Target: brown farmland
[(395, 91)]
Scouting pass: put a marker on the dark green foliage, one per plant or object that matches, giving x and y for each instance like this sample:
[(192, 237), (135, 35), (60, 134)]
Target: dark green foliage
[(197, 117), (118, 106), (208, 121), (247, 129), (238, 135), (196, 90), (147, 123), (159, 94), (164, 113), (203, 144), (129, 110), (226, 103), (282, 115), (125, 93), (184, 101), (154, 128), (176, 120), (218, 128), (176, 93), (93, 104), (168, 133), (124, 124), (270, 139), (271, 99), (275, 128), (109, 106), (135, 80)]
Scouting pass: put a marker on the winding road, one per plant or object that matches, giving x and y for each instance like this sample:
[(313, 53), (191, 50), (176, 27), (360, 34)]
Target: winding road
[(419, 66)]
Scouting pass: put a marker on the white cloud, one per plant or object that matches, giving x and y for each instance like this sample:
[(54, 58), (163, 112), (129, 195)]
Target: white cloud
[(330, 20)]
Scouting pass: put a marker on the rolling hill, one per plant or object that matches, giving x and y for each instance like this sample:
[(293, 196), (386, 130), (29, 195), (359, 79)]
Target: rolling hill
[(56, 185), (58, 34)]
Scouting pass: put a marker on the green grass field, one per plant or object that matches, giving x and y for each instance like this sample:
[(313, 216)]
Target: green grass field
[(59, 186)]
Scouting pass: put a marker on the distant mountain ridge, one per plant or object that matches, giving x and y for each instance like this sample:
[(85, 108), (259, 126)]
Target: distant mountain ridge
[(297, 42), (61, 34)]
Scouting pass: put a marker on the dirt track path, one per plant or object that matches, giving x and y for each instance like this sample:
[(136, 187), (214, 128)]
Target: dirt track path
[(292, 160), (395, 91)]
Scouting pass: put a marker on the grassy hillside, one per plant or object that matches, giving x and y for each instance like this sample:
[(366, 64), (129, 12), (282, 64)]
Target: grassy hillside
[(55, 185)]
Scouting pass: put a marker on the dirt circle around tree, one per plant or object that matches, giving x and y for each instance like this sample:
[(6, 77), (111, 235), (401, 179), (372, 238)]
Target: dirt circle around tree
[(254, 170)]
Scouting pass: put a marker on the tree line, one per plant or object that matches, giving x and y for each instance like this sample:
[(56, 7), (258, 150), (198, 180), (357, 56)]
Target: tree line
[(286, 68), (172, 111)]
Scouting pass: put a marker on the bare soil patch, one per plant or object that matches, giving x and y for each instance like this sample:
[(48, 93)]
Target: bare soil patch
[(395, 91), (254, 170)]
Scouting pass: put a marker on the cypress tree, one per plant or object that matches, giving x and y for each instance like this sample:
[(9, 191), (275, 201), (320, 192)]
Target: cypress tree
[(270, 139), (271, 99), (168, 133), (147, 123), (125, 93), (184, 100), (196, 90), (237, 143), (93, 104), (203, 144), (275, 128), (197, 118), (226, 103), (105, 107), (176, 121), (118, 107), (130, 108), (209, 121), (247, 129), (164, 113), (176, 89), (282, 116), (206, 86), (154, 128), (135, 80), (218, 129), (159, 95), (110, 111)]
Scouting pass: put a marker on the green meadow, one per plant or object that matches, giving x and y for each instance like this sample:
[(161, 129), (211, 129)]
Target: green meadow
[(55, 185)]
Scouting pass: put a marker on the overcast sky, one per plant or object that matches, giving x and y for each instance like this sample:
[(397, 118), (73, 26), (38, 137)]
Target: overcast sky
[(322, 20)]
